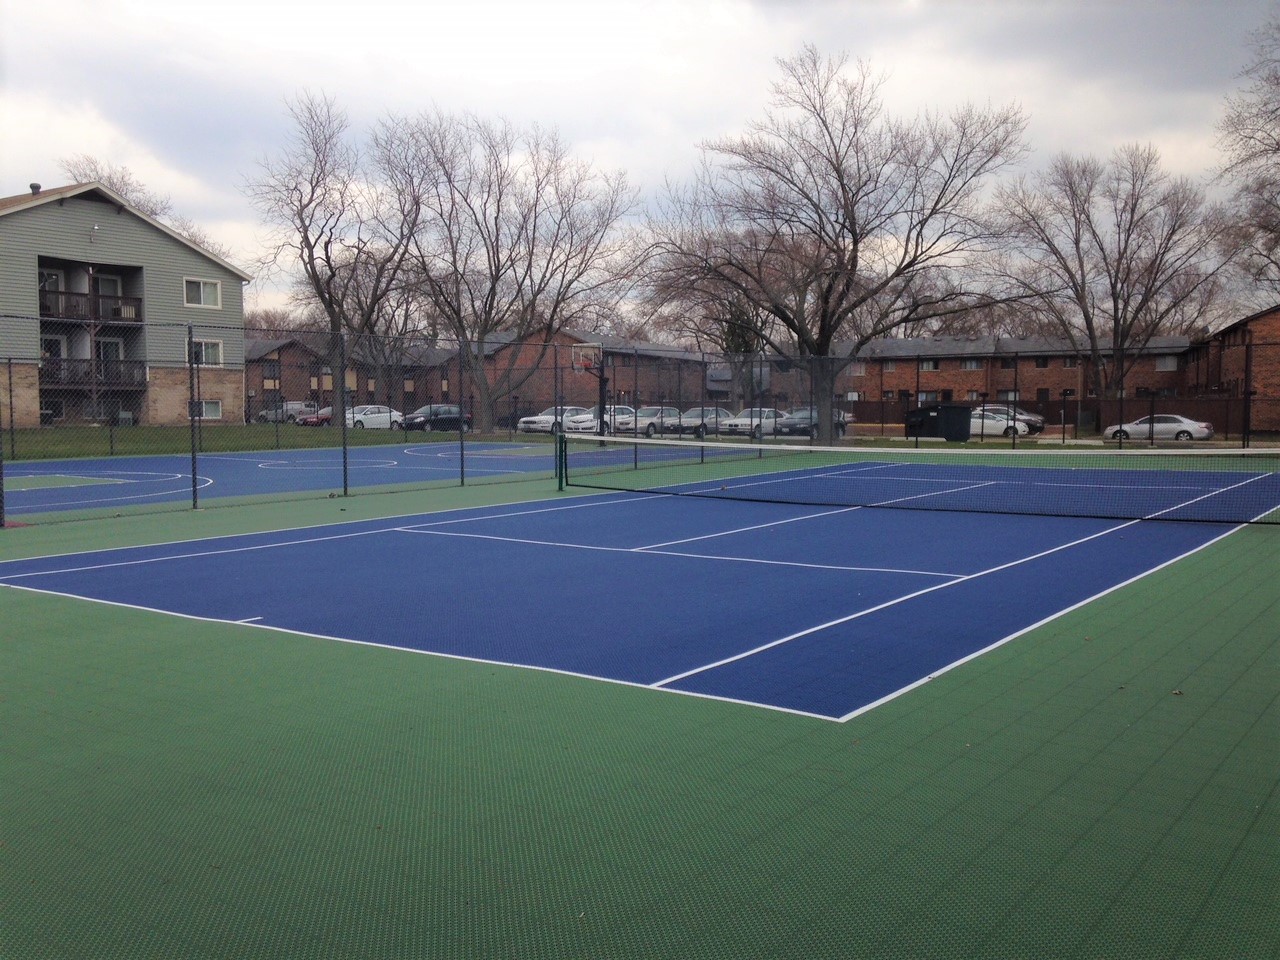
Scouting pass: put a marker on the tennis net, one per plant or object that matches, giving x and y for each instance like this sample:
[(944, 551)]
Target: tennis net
[(1203, 485)]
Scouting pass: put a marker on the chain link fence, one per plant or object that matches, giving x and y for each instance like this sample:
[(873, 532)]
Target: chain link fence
[(154, 417)]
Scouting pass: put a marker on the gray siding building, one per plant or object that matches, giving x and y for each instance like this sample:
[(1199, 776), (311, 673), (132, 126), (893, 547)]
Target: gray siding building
[(96, 303)]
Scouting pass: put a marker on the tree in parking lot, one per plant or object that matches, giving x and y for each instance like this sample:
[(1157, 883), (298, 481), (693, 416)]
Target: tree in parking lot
[(1114, 253), (836, 220), (517, 241), (1250, 138), (342, 217)]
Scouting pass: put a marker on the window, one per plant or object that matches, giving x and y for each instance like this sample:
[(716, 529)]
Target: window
[(888, 395), (889, 366), (928, 396), (973, 395), (853, 396), (928, 364), (1042, 363), (207, 409), (202, 293), (972, 363), (1166, 364), (1042, 394), (1008, 363), (1070, 362), (1008, 396), (858, 369), (206, 353)]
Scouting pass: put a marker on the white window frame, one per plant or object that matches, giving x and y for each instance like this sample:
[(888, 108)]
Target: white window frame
[(209, 409), (204, 284), (930, 365), (204, 345), (971, 363)]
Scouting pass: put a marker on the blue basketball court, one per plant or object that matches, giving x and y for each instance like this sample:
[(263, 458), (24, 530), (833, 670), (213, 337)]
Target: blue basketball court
[(50, 486)]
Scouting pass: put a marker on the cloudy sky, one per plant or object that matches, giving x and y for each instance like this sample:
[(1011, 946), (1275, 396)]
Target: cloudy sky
[(190, 95)]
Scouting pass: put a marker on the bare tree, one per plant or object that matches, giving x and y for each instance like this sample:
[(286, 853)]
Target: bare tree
[(840, 222), (342, 218), (1250, 139), (517, 241), (83, 168), (1115, 253)]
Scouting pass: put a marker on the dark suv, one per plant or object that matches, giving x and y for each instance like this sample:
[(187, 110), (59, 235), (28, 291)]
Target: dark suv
[(804, 423), (441, 417)]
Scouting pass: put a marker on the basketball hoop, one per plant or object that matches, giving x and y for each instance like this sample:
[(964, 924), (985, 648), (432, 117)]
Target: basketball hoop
[(586, 357)]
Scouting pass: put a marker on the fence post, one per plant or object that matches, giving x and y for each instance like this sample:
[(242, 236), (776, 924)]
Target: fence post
[(340, 391), (13, 436), (10, 367), (191, 413)]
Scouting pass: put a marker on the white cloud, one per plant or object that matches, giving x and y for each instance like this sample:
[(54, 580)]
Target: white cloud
[(196, 95)]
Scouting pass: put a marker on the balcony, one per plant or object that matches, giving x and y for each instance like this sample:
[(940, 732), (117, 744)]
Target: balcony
[(59, 304), (115, 374)]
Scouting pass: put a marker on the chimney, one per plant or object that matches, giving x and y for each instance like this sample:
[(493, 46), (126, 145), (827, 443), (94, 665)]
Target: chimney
[(35, 189)]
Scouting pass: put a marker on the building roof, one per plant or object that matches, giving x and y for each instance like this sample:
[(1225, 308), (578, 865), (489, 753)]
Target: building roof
[(893, 348), (38, 197), (1242, 322)]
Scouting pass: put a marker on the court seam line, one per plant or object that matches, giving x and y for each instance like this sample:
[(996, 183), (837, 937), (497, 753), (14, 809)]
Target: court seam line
[(940, 586), (634, 684)]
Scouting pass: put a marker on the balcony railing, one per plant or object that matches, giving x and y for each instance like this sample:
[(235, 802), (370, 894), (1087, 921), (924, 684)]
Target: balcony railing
[(117, 374), (90, 306)]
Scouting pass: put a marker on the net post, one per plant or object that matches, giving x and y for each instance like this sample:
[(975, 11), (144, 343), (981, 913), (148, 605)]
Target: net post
[(562, 461)]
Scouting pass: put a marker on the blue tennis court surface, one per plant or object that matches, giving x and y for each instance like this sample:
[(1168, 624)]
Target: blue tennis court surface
[(33, 487), (816, 610)]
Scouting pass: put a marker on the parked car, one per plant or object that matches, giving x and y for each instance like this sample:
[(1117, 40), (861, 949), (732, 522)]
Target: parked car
[(589, 422), (1162, 426), (989, 423), (443, 417), (701, 421), (375, 417), (1034, 422), (288, 412), (804, 423), (550, 420), (650, 421), (753, 422), (321, 418)]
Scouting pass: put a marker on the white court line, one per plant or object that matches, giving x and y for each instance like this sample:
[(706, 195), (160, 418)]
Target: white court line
[(670, 553), (757, 526), (591, 502), (87, 480), (941, 586), (934, 493), (1040, 623)]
